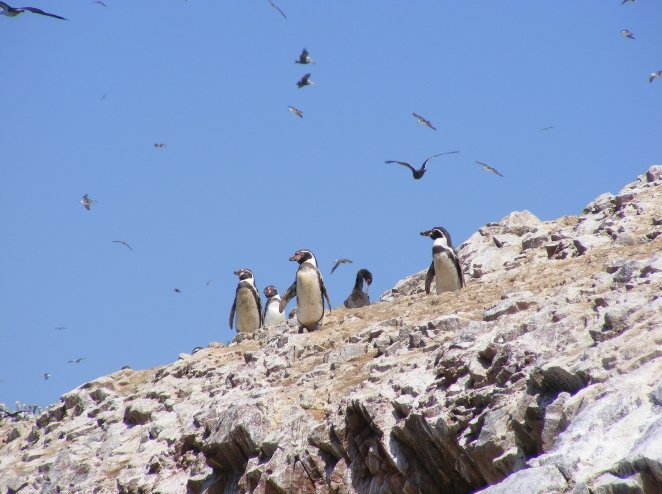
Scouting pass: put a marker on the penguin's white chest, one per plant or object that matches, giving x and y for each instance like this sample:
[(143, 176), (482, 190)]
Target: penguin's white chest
[(310, 307), (446, 278), (248, 314), (272, 316)]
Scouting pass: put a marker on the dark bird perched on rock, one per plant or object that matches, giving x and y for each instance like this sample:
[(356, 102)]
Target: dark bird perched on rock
[(421, 171), (296, 111), (654, 75), (304, 58), (305, 81), (276, 7), (359, 298), (338, 262), (445, 268), (309, 289), (488, 168), (627, 33), (247, 304), (423, 121), (86, 201), (14, 11)]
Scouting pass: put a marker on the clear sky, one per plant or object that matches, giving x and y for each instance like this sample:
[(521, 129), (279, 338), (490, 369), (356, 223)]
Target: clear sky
[(242, 182)]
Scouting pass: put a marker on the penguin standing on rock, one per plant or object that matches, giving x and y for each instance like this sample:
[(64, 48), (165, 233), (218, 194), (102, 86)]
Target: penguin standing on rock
[(445, 269), (309, 289), (246, 303), (359, 298), (272, 315)]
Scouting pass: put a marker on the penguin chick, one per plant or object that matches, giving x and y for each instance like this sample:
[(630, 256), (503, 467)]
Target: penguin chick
[(445, 268), (309, 289), (272, 316), (359, 298), (246, 303)]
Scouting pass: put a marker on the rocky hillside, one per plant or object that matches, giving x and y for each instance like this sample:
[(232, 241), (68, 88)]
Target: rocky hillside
[(543, 375)]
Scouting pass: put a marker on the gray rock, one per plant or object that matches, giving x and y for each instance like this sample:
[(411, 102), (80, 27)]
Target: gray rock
[(540, 480)]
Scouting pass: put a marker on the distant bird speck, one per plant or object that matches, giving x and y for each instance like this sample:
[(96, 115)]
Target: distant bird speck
[(338, 262), (86, 201), (627, 33), (123, 243), (60, 328), (304, 58), (159, 145), (276, 7), (99, 2), (547, 128), (46, 376), (488, 168), (628, 1), (423, 121), (305, 81), (654, 75), (421, 171), (14, 11), (296, 111), (177, 290), (76, 360)]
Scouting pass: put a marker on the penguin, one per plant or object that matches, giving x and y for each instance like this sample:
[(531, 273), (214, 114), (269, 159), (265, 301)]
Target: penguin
[(359, 298), (272, 315), (309, 289), (246, 303), (445, 269)]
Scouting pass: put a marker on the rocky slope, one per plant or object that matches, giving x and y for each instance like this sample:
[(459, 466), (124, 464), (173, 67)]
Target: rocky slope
[(543, 375)]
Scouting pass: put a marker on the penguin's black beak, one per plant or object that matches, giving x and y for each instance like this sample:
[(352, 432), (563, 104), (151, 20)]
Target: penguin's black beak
[(238, 272), (426, 233), (295, 257)]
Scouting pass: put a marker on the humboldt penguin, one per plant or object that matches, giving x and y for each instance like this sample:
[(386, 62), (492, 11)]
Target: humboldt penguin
[(445, 269), (272, 316), (246, 303), (359, 298), (309, 289)]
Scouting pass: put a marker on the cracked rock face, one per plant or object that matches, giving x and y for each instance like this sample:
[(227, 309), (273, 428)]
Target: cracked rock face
[(541, 376)]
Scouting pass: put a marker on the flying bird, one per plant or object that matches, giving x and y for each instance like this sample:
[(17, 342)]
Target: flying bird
[(100, 3), (304, 58), (76, 360), (86, 201), (423, 121), (14, 11), (627, 33), (159, 145), (296, 111), (123, 243), (305, 81), (628, 1), (550, 127), (339, 262), (46, 376), (654, 75), (488, 168), (177, 290), (60, 328), (421, 171), (276, 7)]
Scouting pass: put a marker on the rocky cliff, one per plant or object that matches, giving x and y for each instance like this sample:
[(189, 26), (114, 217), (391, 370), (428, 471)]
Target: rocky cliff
[(543, 375)]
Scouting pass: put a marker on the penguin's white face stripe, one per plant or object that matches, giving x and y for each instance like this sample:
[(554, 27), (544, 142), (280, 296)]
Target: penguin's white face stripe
[(441, 241)]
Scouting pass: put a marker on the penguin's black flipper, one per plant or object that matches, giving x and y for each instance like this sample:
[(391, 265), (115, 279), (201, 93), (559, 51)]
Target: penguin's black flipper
[(234, 308), (324, 292), (429, 277), (458, 268), (287, 296), (258, 301)]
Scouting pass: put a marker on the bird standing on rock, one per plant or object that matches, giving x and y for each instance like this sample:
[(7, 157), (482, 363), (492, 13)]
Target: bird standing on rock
[(445, 268), (309, 289), (359, 298), (272, 315), (246, 303)]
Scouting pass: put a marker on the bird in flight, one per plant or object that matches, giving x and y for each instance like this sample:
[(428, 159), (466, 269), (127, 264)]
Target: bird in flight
[(627, 33), (296, 111), (339, 262), (76, 360), (421, 171), (177, 290), (123, 243), (305, 81), (14, 11), (628, 1), (488, 168), (423, 121), (46, 376), (304, 58), (550, 127), (100, 3), (60, 328), (86, 201), (159, 145), (654, 75), (276, 7)]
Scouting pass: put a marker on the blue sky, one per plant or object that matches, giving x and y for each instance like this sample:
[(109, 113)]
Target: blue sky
[(244, 183)]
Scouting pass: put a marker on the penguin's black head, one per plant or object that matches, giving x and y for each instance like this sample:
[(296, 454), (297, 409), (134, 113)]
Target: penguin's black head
[(303, 255), (366, 275), (438, 232), (270, 291), (244, 274)]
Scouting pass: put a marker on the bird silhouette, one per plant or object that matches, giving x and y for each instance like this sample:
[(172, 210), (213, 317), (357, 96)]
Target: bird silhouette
[(488, 168), (76, 360), (339, 262), (421, 171), (276, 7), (304, 81), (654, 75), (304, 58), (86, 201), (423, 121), (123, 243), (14, 11), (296, 111), (627, 33)]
